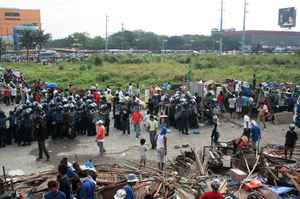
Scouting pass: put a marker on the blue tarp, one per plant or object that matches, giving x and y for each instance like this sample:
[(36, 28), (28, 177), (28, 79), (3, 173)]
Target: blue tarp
[(282, 190), (52, 85)]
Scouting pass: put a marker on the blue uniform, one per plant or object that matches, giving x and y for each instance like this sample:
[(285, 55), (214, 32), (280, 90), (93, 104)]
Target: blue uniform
[(87, 190), (52, 195)]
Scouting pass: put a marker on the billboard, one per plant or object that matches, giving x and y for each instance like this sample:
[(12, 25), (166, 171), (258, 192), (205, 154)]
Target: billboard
[(287, 17)]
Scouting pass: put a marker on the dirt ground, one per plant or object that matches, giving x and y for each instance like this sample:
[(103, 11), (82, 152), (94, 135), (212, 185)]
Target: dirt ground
[(119, 147)]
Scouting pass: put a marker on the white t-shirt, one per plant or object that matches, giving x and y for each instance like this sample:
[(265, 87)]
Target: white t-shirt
[(232, 102), (246, 121), (160, 143), (13, 92), (143, 150)]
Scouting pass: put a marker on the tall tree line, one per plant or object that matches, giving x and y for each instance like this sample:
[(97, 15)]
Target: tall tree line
[(142, 40)]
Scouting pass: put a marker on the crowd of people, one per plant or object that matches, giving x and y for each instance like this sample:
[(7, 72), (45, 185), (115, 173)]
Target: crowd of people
[(43, 111)]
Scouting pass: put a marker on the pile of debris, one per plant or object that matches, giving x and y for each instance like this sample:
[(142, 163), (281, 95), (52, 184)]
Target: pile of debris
[(188, 176)]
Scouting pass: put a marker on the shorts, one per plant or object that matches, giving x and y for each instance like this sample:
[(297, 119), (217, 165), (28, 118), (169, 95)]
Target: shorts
[(143, 158), (161, 154)]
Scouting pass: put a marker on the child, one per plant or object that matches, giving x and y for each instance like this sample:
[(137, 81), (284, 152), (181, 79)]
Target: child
[(142, 150)]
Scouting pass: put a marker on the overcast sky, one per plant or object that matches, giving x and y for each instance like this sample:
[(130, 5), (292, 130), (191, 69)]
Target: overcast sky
[(168, 17)]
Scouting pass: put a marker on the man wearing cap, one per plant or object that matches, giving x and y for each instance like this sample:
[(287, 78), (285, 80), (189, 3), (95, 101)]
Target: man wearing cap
[(100, 135), (290, 141), (132, 179)]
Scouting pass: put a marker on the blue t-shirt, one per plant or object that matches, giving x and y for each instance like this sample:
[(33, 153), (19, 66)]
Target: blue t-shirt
[(87, 190), (255, 133), (52, 195), (245, 101), (71, 173), (129, 192)]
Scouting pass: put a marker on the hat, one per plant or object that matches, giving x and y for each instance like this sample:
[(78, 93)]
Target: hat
[(121, 194), (132, 178), (292, 126), (99, 122)]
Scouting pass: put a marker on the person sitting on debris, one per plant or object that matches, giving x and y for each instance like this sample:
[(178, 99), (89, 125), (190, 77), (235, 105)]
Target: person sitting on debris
[(87, 188), (54, 193), (290, 141), (127, 192), (214, 194), (242, 143)]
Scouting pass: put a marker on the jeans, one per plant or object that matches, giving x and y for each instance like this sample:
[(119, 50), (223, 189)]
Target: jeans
[(152, 135), (42, 149), (137, 130), (101, 147)]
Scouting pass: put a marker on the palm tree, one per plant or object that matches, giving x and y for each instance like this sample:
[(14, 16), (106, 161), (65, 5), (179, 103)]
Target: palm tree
[(41, 39), (28, 41)]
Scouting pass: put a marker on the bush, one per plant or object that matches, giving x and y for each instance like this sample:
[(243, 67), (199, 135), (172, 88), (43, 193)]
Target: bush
[(103, 77), (110, 59), (89, 67), (98, 61), (82, 68), (60, 67)]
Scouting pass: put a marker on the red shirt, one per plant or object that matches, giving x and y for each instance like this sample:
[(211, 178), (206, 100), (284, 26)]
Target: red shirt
[(100, 132), (220, 99), (97, 98), (136, 117), (212, 195), (37, 98), (7, 92)]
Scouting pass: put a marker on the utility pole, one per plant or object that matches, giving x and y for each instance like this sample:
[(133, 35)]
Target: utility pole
[(106, 34), (123, 29), (221, 29), (244, 27), (123, 38)]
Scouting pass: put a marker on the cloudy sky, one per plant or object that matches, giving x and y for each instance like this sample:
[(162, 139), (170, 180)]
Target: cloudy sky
[(168, 17)]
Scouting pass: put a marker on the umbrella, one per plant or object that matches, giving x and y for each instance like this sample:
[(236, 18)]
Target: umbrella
[(52, 85)]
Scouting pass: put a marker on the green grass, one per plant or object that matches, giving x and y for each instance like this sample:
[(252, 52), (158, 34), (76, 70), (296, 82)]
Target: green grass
[(155, 70)]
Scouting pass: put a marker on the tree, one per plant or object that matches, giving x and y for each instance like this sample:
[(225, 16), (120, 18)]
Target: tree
[(1, 48), (28, 41), (41, 39), (175, 43)]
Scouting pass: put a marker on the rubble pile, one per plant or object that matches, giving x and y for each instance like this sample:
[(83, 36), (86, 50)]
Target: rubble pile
[(188, 176)]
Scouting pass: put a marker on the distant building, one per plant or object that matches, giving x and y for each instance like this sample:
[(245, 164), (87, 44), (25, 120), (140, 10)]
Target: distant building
[(10, 18), (271, 39), (17, 32)]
